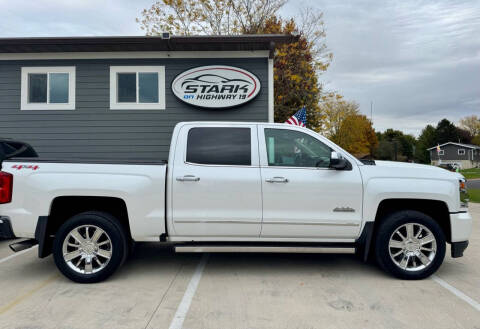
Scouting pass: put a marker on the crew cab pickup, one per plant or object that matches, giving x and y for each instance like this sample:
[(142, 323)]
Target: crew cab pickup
[(236, 185)]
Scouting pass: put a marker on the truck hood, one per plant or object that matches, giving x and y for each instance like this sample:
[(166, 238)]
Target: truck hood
[(413, 170)]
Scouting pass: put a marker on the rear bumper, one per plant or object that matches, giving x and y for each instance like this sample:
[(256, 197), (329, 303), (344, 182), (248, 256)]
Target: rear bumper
[(461, 226), (6, 231)]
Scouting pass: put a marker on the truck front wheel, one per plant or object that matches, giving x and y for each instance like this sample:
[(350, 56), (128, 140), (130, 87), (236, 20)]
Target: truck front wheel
[(410, 245), (89, 247)]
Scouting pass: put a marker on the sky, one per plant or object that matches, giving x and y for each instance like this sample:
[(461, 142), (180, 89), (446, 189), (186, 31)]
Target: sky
[(416, 61)]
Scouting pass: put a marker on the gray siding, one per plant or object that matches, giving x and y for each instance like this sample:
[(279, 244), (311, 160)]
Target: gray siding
[(95, 131)]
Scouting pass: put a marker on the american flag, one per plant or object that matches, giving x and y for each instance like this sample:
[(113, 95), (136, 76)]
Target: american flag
[(299, 118)]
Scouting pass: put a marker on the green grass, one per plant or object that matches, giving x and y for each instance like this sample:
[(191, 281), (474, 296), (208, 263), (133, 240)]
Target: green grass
[(474, 195), (471, 173)]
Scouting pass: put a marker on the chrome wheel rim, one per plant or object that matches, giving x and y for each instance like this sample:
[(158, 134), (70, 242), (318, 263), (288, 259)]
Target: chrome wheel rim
[(412, 247), (87, 249)]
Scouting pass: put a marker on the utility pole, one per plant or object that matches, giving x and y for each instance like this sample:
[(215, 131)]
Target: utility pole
[(371, 111), (395, 147)]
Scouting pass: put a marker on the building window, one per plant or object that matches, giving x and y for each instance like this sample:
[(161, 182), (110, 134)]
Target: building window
[(461, 152), (48, 88), (441, 152), (137, 87)]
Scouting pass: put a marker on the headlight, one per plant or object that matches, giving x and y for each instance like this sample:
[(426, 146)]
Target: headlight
[(463, 193)]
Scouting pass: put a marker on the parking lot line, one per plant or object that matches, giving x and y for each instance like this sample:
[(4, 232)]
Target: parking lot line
[(184, 306), (3, 260), (456, 292)]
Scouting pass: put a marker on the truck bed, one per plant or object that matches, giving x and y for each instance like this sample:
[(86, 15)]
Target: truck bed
[(39, 182)]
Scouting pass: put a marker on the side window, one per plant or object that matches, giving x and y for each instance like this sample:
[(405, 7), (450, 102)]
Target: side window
[(219, 146), (290, 148)]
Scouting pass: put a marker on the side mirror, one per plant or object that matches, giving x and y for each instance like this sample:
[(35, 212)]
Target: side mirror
[(336, 162)]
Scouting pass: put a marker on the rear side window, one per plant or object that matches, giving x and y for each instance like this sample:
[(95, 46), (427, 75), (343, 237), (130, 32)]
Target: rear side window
[(219, 146)]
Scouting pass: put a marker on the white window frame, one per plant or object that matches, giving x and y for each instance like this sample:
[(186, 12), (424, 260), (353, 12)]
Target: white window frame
[(441, 152), (115, 105), (26, 106), (463, 151)]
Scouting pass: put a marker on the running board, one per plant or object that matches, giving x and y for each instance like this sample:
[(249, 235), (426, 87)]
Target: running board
[(22, 245), (265, 249)]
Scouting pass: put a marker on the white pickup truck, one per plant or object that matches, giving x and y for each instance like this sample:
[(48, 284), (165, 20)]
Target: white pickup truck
[(236, 185)]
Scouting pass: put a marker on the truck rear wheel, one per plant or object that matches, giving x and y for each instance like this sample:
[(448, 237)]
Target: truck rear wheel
[(89, 247), (410, 245)]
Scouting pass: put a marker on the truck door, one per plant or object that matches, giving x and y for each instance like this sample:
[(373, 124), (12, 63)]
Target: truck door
[(302, 197), (216, 186)]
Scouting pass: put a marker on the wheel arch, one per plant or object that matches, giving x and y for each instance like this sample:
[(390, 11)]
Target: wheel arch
[(64, 207), (436, 209)]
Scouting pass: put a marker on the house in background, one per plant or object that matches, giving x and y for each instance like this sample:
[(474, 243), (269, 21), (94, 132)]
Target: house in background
[(465, 156)]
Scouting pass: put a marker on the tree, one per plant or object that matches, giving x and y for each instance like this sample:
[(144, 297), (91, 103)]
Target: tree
[(356, 135), (385, 150), (476, 140), (427, 139), (189, 17), (471, 124), (335, 110), (464, 136), (409, 143), (446, 132), (295, 75), (402, 146), (296, 66)]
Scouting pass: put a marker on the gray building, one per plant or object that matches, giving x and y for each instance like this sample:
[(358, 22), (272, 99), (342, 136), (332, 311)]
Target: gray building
[(120, 97), (465, 156)]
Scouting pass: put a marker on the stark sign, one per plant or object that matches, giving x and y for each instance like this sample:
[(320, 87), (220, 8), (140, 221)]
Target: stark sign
[(216, 86)]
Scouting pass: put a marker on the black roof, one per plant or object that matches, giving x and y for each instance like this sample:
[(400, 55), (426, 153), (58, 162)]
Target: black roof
[(142, 43)]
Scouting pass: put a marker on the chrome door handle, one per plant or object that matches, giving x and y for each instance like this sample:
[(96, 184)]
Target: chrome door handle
[(277, 180), (188, 178)]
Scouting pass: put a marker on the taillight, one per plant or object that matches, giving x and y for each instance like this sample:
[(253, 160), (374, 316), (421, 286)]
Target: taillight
[(6, 186), (464, 197)]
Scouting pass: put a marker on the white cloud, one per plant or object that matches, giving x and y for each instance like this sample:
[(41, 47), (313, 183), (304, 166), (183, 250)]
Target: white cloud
[(27, 18), (418, 61)]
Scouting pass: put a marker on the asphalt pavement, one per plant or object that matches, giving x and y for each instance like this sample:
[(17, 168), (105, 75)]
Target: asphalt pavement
[(157, 288), (473, 183)]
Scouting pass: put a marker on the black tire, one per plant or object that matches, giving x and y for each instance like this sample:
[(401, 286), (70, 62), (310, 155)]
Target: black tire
[(389, 225), (114, 230)]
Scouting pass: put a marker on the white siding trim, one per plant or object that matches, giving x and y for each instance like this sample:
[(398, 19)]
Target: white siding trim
[(114, 105), (271, 100), (26, 106), (134, 55)]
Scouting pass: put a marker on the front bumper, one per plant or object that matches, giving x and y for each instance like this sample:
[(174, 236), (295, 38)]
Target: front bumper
[(6, 231), (460, 226)]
